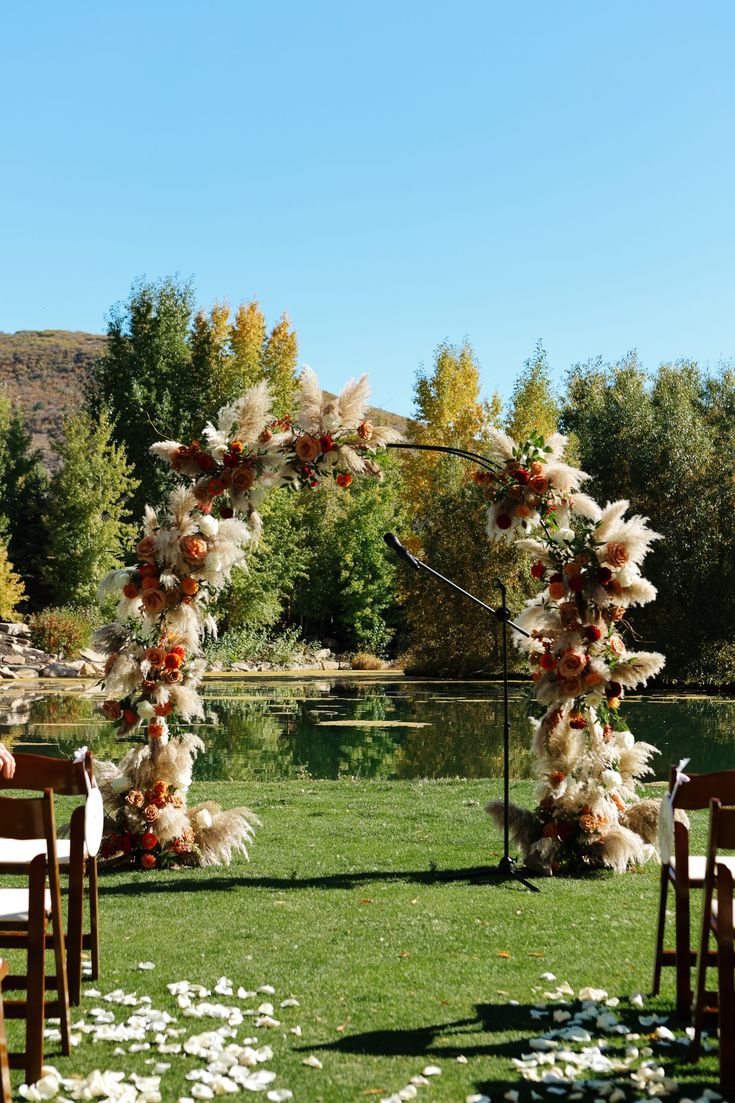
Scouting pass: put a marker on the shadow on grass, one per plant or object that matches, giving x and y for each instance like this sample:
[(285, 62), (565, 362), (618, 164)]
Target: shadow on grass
[(477, 1037), (475, 875)]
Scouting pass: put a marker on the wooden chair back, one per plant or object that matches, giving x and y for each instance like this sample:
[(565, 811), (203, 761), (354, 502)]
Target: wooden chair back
[(64, 776), (701, 788)]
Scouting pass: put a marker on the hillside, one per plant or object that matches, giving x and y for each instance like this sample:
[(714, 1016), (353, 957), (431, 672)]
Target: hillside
[(43, 373)]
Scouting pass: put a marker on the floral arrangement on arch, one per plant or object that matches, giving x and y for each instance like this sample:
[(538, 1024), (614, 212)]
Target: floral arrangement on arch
[(588, 561), (184, 558)]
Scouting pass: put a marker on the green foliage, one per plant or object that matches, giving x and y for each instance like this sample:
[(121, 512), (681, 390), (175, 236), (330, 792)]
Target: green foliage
[(257, 645), (88, 509), (532, 404), (11, 586), (23, 494), (146, 382), (62, 631), (350, 590), (664, 443)]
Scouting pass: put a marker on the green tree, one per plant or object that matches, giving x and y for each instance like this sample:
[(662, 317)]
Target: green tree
[(88, 509), (146, 381), (532, 403), (23, 492)]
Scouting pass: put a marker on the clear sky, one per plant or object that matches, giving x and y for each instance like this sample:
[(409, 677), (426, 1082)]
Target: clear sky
[(391, 174)]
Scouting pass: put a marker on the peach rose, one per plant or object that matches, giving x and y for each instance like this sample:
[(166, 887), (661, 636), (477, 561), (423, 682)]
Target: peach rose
[(146, 548), (587, 823), (194, 548), (112, 710), (616, 645), (572, 663), (172, 676), (307, 449), (243, 478), (617, 553), (266, 436), (536, 468), (154, 602), (155, 656), (592, 679), (135, 798), (176, 800), (365, 430), (150, 813), (539, 484), (189, 586), (572, 687), (557, 590)]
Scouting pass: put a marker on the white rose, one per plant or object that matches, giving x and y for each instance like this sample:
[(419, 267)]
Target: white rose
[(121, 784), (213, 563), (145, 710), (564, 535), (624, 740), (611, 779), (626, 577), (208, 526), (203, 819)]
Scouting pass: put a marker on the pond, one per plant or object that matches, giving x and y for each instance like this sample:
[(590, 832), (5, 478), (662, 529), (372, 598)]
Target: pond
[(376, 726)]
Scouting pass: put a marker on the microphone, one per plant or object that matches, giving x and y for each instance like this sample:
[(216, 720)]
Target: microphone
[(395, 545)]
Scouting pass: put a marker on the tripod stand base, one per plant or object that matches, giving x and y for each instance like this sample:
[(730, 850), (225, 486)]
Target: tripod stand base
[(506, 870)]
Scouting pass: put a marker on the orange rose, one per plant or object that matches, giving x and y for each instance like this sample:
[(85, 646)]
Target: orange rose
[(176, 800), (146, 548), (557, 590), (266, 436), (172, 661), (112, 710), (237, 445), (155, 729), (572, 568), (154, 602), (155, 656), (194, 548), (536, 468), (365, 430), (539, 484), (148, 861), (522, 511), (617, 553), (243, 478), (556, 778), (307, 449), (344, 479), (164, 709), (130, 590), (215, 487), (151, 582), (189, 586), (592, 679)]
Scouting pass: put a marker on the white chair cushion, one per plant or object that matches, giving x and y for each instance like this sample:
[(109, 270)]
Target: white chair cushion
[(14, 905), (19, 852), (698, 867)]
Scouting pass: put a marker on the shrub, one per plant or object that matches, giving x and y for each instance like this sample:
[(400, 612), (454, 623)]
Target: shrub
[(258, 645), (363, 660), (61, 631)]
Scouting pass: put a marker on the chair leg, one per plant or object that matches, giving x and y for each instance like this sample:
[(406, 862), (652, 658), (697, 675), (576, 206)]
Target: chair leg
[(725, 965), (36, 989), (5, 1087), (62, 983), (75, 919), (699, 998), (683, 953), (94, 916), (658, 960)]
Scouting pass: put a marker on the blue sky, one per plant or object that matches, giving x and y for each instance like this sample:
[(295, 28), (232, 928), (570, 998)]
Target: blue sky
[(391, 174)]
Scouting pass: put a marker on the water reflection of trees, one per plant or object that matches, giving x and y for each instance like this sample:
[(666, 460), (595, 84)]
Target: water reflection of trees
[(699, 728)]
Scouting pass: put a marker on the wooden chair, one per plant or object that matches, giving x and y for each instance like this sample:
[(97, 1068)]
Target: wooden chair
[(25, 916), (66, 778), (685, 872), (717, 920), (6, 1092)]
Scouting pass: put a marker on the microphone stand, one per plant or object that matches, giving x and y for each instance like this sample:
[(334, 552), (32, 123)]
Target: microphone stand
[(506, 867)]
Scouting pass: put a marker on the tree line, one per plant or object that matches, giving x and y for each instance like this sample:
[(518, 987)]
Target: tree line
[(662, 439)]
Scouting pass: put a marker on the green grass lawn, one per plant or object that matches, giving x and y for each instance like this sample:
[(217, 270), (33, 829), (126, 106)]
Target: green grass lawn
[(362, 900)]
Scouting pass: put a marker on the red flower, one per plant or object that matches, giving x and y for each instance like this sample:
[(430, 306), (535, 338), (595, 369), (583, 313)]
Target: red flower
[(205, 461), (522, 475), (178, 650), (613, 689), (148, 861), (130, 717), (576, 583), (149, 841), (326, 443), (538, 570), (226, 512), (503, 521), (593, 633), (548, 661), (343, 479), (604, 574), (230, 460), (215, 487)]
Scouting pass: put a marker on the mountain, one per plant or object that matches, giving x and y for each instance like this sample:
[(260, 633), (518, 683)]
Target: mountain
[(43, 372)]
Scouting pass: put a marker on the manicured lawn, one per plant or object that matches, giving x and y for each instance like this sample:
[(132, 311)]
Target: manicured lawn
[(362, 900)]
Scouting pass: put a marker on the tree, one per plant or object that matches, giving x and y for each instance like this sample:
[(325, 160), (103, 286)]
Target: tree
[(532, 404), (12, 591), (23, 491), (88, 509), (146, 382)]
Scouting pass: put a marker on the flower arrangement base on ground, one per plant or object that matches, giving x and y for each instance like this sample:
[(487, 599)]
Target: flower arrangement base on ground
[(151, 826)]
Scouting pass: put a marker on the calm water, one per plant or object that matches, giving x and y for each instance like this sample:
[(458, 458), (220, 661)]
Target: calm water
[(368, 727)]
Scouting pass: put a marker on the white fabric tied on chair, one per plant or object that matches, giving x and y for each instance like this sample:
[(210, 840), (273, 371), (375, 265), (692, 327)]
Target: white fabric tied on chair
[(94, 813), (666, 815)]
